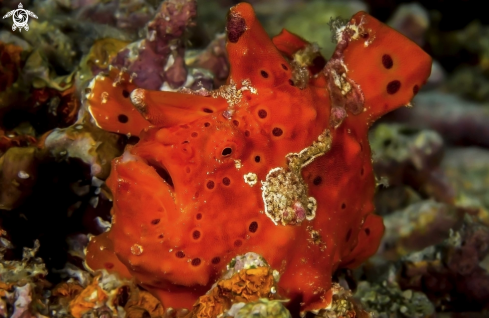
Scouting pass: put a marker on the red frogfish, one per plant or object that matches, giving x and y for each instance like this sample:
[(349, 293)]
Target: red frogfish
[(275, 162)]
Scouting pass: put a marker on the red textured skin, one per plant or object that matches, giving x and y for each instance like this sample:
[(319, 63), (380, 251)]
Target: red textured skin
[(187, 142)]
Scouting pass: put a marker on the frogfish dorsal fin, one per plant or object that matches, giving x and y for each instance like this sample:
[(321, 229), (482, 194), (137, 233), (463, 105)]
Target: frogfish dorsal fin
[(388, 67), (252, 54)]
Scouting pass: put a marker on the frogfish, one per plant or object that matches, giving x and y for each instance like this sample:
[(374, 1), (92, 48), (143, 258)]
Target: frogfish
[(276, 161)]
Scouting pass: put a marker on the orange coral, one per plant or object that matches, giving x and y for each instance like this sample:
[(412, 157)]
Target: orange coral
[(67, 290), (261, 165), (244, 286), (141, 303), (86, 300), (106, 294)]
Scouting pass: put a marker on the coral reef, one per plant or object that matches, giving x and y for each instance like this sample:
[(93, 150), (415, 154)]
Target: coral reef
[(248, 279), (470, 82), (261, 308), (470, 78), (459, 121), (451, 273), (10, 68), (270, 162), (19, 169), (388, 300), (468, 172), (213, 58), (419, 225), (10, 65), (279, 160), (319, 13), (404, 155), (342, 305), (412, 20), (21, 282), (159, 58), (83, 141), (25, 292), (125, 15), (99, 296)]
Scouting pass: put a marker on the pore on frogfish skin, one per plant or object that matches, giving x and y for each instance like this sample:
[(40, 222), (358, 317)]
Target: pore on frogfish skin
[(275, 162)]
